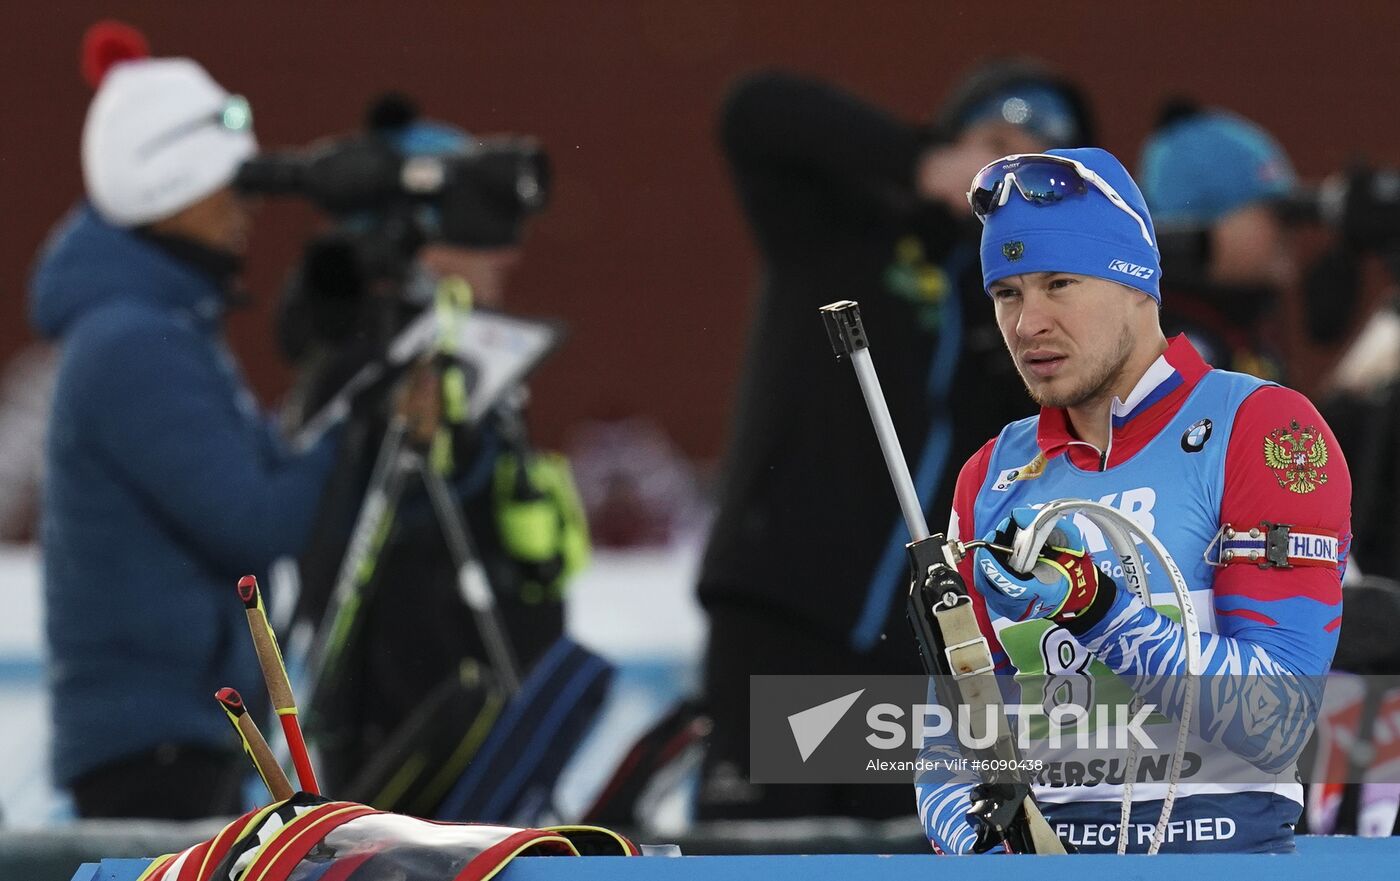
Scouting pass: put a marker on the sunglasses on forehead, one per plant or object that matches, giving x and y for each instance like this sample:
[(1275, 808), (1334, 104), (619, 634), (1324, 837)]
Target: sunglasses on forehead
[(1041, 179)]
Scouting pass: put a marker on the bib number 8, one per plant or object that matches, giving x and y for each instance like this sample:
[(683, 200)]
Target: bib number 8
[(1067, 678)]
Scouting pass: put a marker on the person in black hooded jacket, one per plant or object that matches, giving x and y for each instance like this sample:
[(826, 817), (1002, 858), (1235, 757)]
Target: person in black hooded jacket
[(805, 571)]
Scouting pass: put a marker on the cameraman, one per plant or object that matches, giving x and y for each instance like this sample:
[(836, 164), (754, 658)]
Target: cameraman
[(1213, 182), (805, 568), (359, 285), (363, 280), (164, 482)]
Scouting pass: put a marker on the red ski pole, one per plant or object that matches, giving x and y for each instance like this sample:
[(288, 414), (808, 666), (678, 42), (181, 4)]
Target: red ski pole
[(279, 688)]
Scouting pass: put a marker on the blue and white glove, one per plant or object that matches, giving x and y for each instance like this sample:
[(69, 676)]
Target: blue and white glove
[(1063, 584)]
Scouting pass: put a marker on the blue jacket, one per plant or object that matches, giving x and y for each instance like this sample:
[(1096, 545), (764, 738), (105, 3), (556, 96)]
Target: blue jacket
[(164, 485)]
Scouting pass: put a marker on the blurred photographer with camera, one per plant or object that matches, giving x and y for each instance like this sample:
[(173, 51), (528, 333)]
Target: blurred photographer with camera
[(415, 201), (1214, 183), (1226, 201), (411, 245), (165, 483)]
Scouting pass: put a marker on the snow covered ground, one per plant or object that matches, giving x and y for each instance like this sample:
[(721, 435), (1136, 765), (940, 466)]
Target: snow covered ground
[(25, 796), (635, 607)]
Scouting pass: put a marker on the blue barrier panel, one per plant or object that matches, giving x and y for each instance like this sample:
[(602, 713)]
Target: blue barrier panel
[(1360, 858), (112, 870)]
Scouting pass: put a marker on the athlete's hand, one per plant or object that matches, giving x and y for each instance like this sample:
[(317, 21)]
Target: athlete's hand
[(1060, 586)]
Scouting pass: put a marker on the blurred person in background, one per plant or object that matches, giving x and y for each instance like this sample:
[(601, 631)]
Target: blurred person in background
[(1214, 182), (1363, 403), (360, 283), (364, 278), (805, 569), (164, 483), (1361, 208)]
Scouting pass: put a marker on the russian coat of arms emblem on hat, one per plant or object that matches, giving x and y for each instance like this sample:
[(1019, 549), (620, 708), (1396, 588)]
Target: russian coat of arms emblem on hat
[(1013, 251)]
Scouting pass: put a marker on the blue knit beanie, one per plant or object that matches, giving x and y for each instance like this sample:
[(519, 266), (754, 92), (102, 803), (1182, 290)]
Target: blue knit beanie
[(1084, 235), (1038, 108), (1200, 168), (424, 137), (421, 137)]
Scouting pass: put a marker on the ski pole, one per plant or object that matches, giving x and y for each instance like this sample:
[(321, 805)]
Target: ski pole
[(254, 746), (279, 687)]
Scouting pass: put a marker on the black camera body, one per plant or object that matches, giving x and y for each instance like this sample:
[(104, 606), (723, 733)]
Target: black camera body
[(1362, 205), (358, 281), (479, 198)]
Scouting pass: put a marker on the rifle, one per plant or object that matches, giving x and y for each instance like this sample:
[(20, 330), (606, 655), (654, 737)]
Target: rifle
[(951, 645)]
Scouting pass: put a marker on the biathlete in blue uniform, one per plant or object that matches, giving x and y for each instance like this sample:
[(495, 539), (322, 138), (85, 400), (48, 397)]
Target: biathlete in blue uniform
[(1214, 464)]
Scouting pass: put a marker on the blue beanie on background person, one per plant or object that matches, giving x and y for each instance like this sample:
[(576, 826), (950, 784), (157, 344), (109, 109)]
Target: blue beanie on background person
[(1039, 108), (1023, 92), (424, 137), (1203, 165), (396, 118), (1082, 234)]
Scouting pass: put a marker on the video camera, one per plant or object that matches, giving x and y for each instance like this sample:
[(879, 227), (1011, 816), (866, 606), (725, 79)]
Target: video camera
[(480, 197), (1362, 205), (359, 278)]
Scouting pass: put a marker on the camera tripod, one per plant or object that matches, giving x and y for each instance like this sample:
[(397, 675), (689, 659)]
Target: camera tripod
[(398, 460), (490, 353)]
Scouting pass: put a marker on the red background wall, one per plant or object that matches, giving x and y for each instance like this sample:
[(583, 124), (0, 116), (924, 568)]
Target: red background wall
[(643, 251)]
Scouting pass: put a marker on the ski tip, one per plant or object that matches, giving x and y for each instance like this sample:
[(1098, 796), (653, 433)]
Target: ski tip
[(248, 590), (232, 700)]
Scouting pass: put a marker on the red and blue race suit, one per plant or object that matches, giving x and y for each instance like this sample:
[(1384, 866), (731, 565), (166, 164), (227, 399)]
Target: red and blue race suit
[(1193, 452)]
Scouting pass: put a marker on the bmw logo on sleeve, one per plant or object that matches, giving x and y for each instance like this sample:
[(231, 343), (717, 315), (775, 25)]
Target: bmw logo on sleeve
[(1195, 437)]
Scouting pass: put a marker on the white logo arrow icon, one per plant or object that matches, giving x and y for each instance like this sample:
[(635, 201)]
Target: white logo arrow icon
[(810, 727)]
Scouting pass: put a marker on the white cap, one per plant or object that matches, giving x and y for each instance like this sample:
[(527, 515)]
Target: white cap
[(160, 135)]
